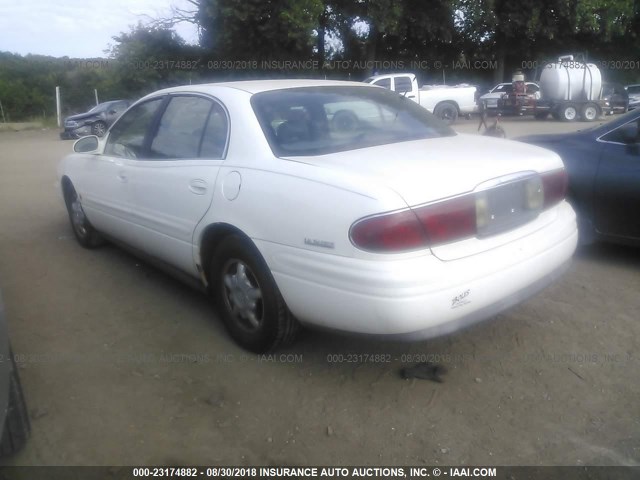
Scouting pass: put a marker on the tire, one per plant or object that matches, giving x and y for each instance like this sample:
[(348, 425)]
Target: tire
[(589, 112), (447, 112), (248, 298), (569, 113), (99, 129), (17, 428), (84, 232)]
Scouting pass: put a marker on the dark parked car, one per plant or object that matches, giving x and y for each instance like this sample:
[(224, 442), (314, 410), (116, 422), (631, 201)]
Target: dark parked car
[(616, 98), (603, 164), (95, 121), (634, 96), (14, 419)]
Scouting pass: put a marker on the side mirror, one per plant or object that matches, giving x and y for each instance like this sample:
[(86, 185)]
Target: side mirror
[(629, 132), (86, 144)]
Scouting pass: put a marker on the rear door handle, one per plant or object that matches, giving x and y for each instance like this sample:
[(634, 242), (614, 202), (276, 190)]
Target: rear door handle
[(198, 186)]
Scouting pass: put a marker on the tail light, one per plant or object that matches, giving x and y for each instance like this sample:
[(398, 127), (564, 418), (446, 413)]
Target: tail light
[(417, 228), (390, 232), (449, 220)]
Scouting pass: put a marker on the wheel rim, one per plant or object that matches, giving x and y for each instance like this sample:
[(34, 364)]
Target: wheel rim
[(242, 295), (99, 129), (570, 113), (590, 113), (447, 114), (78, 218)]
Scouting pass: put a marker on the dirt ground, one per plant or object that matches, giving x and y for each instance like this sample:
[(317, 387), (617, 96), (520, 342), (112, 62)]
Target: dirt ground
[(123, 365)]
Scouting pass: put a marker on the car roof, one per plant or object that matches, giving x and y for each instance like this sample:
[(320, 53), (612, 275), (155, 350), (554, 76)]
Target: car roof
[(258, 86)]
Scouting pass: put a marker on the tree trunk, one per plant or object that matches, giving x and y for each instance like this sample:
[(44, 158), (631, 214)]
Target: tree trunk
[(501, 54), (322, 30)]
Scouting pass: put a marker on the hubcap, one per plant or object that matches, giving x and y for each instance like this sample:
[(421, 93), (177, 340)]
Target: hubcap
[(78, 218), (242, 294), (99, 129), (590, 113), (570, 113)]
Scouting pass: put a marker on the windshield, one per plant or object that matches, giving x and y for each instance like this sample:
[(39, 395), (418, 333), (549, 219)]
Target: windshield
[(100, 107), (322, 120)]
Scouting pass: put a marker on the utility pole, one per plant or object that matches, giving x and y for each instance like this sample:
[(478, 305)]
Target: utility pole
[(4, 120), (58, 107)]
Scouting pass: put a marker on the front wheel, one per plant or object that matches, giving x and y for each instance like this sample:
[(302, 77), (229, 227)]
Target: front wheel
[(447, 112), (248, 298), (84, 232)]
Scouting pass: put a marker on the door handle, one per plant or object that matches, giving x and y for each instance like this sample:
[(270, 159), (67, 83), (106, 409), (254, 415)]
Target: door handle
[(197, 186), (122, 177)]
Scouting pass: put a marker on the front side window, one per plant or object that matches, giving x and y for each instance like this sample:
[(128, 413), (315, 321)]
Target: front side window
[(126, 137), (619, 135), (321, 120)]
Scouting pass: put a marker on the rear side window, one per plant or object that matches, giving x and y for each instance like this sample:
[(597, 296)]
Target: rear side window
[(126, 138)]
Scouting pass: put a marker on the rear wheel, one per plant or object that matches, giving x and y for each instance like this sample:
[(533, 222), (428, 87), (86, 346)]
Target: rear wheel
[(589, 112), (17, 428), (569, 113), (248, 298), (84, 232), (447, 112)]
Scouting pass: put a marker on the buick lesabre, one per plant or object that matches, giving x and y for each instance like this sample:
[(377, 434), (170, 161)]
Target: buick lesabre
[(323, 203)]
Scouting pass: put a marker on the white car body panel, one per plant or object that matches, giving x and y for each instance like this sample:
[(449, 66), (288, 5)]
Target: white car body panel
[(412, 296), (298, 212)]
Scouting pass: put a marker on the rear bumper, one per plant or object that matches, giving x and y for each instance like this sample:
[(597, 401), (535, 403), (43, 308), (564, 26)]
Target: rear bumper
[(421, 296)]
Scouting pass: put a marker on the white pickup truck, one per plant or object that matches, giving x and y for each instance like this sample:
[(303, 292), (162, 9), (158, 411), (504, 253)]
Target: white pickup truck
[(445, 102)]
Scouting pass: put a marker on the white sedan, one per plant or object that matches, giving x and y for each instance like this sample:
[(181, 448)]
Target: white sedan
[(332, 204)]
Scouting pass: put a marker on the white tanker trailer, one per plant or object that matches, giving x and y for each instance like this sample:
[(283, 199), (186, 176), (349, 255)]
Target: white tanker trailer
[(570, 89)]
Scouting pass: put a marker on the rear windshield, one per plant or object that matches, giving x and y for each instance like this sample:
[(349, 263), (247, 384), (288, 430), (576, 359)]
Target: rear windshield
[(321, 120)]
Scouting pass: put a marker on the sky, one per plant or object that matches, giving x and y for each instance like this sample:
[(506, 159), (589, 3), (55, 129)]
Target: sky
[(77, 28)]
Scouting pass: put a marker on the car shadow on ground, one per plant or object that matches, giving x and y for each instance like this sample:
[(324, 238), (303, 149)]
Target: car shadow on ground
[(618, 255)]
